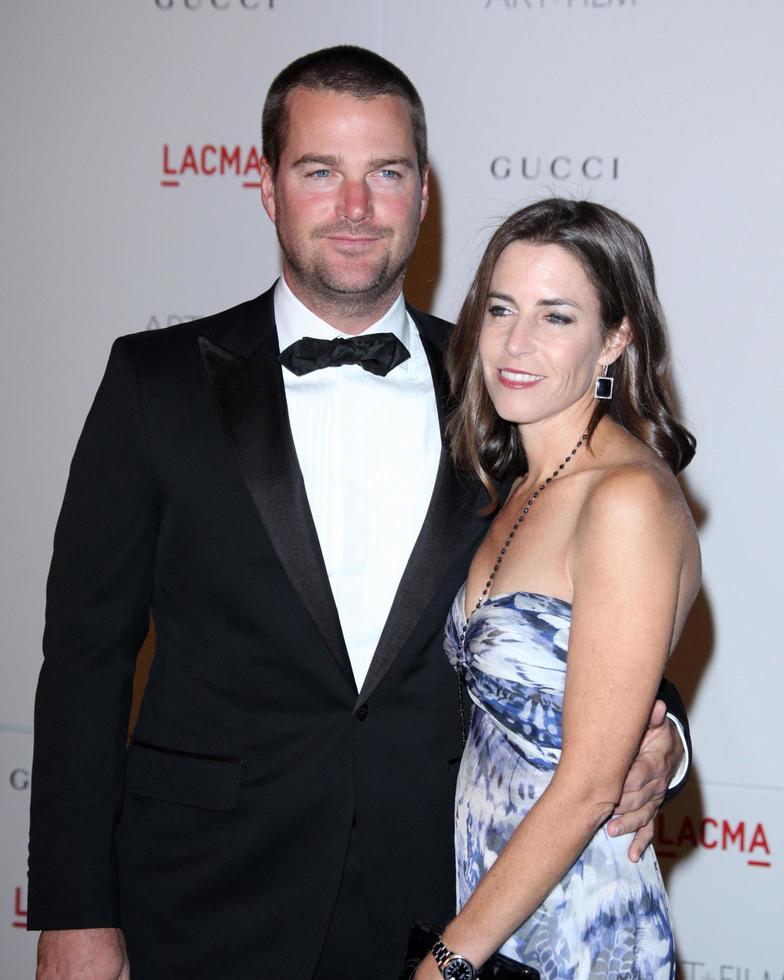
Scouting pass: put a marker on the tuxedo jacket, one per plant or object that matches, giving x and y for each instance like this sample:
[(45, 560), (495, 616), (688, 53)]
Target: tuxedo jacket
[(217, 838)]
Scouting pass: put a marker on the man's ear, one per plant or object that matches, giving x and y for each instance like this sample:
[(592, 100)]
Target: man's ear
[(616, 343), (425, 193), (267, 188)]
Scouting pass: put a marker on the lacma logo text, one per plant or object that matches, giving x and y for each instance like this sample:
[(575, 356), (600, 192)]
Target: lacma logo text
[(210, 160), (746, 838)]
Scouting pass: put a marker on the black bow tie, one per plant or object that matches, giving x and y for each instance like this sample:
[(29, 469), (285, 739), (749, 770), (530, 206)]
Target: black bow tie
[(376, 352)]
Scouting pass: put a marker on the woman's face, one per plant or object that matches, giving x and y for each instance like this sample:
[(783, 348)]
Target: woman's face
[(540, 344)]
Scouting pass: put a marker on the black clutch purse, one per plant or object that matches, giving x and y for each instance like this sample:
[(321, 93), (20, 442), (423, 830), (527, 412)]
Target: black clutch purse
[(498, 967)]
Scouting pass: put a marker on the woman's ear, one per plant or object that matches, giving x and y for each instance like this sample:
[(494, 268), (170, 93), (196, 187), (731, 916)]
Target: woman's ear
[(616, 343)]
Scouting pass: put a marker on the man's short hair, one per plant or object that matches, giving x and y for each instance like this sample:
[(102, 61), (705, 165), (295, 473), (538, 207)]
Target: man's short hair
[(347, 69)]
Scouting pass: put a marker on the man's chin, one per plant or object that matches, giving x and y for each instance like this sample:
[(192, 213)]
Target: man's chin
[(373, 287), (366, 282), (355, 283)]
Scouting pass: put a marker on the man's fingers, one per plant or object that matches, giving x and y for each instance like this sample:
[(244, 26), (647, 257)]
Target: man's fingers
[(640, 841), (650, 771), (640, 774), (631, 821), (645, 785), (640, 784), (652, 792), (658, 714)]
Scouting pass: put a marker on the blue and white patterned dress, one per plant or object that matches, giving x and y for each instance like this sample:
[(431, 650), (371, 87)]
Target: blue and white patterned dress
[(607, 917)]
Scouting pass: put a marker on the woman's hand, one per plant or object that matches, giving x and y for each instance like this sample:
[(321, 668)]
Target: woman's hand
[(427, 969)]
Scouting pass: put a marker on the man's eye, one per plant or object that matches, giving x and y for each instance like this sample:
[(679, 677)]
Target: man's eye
[(319, 173), (389, 174)]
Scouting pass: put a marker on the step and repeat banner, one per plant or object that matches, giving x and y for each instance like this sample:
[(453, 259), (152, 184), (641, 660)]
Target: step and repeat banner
[(131, 202)]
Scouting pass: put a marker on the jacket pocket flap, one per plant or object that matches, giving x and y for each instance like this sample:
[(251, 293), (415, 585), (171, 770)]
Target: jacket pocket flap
[(177, 777)]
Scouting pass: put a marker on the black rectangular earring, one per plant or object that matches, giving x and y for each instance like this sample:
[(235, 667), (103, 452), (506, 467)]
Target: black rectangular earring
[(604, 386)]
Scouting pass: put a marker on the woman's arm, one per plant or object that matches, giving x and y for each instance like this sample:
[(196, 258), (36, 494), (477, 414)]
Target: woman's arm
[(626, 567)]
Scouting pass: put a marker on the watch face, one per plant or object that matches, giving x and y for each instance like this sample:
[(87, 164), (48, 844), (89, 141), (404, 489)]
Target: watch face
[(459, 969)]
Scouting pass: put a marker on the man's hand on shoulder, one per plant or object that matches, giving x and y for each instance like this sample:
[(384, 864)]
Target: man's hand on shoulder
[(82, 954), (647, 781)]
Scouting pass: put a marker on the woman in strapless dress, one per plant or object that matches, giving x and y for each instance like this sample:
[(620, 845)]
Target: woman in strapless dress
[(574, 600)]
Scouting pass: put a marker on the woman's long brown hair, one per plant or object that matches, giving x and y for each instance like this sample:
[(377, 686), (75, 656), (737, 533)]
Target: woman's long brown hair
[(617, 261)]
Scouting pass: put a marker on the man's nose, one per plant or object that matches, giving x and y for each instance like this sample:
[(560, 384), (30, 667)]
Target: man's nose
[(355, 202)]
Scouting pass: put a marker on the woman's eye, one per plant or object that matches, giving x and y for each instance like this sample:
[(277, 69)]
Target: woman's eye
[(496, 310), (558, 319)]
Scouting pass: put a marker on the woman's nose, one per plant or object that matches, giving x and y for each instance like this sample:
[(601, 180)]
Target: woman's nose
[(520, 337)]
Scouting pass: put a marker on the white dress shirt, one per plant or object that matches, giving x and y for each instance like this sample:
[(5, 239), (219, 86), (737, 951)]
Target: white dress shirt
[(369, 449)]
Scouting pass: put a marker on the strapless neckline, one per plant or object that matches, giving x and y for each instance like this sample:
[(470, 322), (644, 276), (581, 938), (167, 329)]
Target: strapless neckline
[(460, 599)]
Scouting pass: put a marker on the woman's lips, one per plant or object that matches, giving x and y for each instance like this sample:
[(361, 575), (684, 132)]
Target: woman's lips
[(518, 379)]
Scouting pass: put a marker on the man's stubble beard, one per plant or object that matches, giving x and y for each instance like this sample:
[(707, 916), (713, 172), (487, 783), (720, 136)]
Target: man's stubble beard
[(317, 281)]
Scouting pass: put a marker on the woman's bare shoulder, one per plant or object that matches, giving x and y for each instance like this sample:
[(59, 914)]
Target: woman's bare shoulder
[(635, 526), (632, 489), (634, 504)]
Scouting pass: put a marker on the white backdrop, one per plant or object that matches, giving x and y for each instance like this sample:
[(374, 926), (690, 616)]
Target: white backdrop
[(128, 141)]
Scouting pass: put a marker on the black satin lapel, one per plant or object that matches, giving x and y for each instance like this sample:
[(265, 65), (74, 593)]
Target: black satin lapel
[(451, 507), (251, 400), (433, 344)]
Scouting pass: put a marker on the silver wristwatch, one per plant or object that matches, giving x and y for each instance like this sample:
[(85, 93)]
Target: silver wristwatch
[(452, 965)]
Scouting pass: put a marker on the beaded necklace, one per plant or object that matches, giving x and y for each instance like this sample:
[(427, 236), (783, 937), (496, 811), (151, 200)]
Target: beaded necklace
[(488, 584)]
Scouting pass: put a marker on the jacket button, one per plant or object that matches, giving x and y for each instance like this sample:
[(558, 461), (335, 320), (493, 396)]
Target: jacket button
[(362, 712)]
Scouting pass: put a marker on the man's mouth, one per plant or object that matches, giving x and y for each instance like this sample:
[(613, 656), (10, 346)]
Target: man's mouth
[(346, 235), (353, 239)]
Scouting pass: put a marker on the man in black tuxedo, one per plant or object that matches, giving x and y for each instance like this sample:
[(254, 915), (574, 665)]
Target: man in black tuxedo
[(284, 808)]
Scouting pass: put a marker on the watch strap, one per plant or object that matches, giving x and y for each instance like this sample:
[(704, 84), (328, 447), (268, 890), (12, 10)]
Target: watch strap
[(443, 956)]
